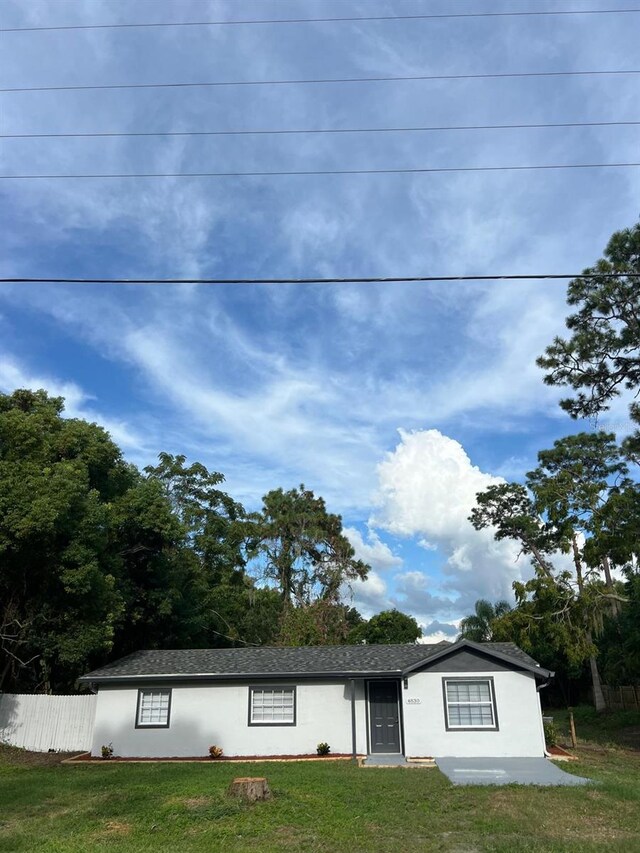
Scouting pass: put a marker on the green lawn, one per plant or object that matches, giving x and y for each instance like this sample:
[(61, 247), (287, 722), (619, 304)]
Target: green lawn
[(617, 728), (333, 806)]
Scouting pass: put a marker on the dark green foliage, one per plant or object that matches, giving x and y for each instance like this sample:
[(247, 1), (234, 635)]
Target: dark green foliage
[(550, 734), (390, 626), (620, 641), (59, 597), (602, 356), (479, 626), (321, 623), (98, 560)]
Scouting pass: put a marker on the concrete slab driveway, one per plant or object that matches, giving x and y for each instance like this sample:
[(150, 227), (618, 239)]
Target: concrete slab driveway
[(505, 771)]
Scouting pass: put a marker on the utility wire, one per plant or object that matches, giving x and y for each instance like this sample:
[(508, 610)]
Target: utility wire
[(267, 132), (337, 280), (324, 172), (326, 80), (334, 20)]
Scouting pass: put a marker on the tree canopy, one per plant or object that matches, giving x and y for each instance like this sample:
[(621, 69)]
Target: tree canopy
[(479, 626), (577, 515), (99, 559), (389, 626), (302, 548), (560, 510), (601, 357)]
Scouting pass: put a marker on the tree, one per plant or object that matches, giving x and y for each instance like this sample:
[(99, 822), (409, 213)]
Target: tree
[(209, 515), (98, 560), (389, 626), (602, 356), (479, 626), (230, 610), (572, 485), (320, 623), (59, 602), (620, 641), (560, 505), (300, 548)]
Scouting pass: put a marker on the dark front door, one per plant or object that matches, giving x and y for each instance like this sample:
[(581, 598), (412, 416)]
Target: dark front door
[(384, 716)]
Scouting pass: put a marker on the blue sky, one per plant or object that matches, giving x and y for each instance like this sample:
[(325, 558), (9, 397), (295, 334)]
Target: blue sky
[(395, 402)]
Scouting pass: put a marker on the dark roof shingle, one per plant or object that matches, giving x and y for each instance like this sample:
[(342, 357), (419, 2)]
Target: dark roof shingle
[(284, 661)]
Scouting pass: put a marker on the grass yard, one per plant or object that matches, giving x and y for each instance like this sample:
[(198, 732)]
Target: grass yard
[(615, 729), (46, 806)]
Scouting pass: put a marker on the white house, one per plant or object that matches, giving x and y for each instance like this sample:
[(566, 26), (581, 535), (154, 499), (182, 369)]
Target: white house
[(448, 699)]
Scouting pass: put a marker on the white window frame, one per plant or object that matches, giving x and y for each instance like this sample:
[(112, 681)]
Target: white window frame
[(491, 702), (272, 688), (140, 723)]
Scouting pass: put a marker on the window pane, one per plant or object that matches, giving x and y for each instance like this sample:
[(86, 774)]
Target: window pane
[(468, 691), (469, 704), (154, 708), (272, 706), (470, 715)]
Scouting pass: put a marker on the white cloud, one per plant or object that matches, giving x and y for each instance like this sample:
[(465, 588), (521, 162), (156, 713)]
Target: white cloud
[(440, 629), (373, 551), (427, 489), (371, 595), (76, 401)]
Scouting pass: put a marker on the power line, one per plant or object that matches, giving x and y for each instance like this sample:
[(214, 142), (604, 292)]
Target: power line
[(267, 132), (337, 280), (333, 20), (314, 81), (325, 172)]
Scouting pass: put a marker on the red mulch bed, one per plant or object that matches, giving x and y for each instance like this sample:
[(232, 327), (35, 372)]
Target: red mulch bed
[(86, 756), (559, 751)]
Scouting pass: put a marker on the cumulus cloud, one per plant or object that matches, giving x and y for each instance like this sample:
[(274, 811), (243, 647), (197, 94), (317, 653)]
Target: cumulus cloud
[(371, 595), (373, 551), (427, 488), (415, 593)]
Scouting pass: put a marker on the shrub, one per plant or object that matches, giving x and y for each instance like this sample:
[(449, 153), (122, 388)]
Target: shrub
[(106, 750), (550, 734), (215, 751), (323, 749)]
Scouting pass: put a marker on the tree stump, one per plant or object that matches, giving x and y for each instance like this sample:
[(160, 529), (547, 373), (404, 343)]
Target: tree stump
[(250, 789)]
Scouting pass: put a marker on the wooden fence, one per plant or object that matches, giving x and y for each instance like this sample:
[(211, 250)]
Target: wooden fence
[(622, 698), (40, 722)]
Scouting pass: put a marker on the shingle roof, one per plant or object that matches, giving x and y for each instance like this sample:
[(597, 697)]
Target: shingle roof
[(287, 661)]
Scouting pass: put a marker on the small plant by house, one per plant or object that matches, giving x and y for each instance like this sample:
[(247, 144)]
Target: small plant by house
[(215, 751), (550, 734), (323, 748), (106, 750)]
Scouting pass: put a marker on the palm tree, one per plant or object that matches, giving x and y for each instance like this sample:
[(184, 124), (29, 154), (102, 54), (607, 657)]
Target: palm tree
[(478, 626)]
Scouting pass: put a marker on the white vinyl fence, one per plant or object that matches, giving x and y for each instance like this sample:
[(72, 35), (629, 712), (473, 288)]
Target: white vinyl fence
[(40, 722)]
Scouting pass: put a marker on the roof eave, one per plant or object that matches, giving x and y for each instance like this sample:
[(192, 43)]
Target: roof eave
[(234, 676)]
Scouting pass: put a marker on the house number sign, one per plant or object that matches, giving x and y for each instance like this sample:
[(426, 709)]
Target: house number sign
[(413, 701)]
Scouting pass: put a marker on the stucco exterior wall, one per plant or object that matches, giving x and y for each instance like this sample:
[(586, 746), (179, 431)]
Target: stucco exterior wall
[(520, 730), (217, 713)]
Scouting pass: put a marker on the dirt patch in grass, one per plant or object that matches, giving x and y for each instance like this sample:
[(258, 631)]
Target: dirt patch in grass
[(16, 756), (117, 827), (193, 803)]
